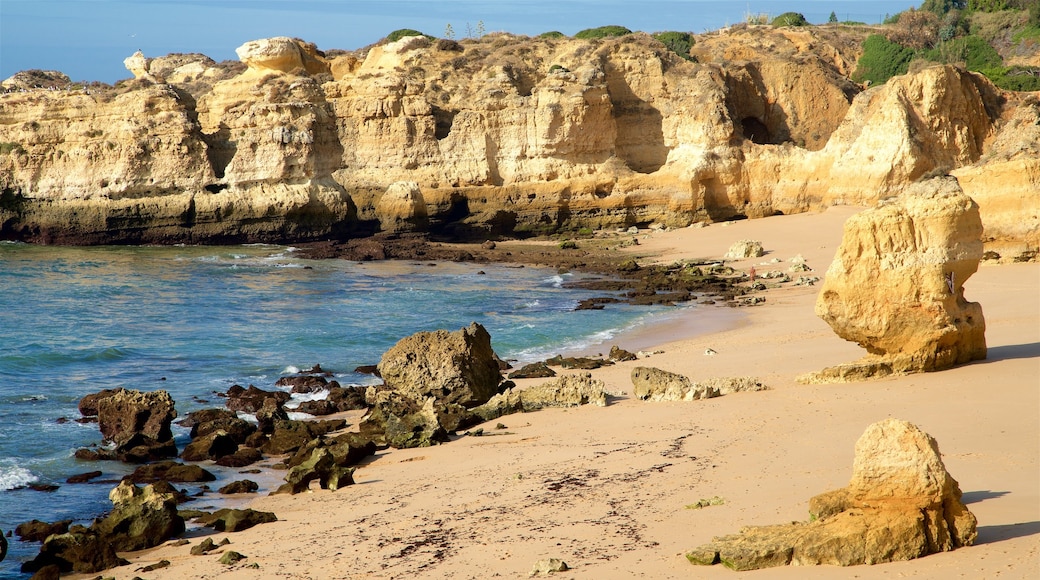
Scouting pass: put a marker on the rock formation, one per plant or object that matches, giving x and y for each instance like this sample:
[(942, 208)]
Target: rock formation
[(137, 422), (658, 385), (452, 367), (896, 286), (507, 135), (140, 518), (900, 504), (402, 208), (565, 391)]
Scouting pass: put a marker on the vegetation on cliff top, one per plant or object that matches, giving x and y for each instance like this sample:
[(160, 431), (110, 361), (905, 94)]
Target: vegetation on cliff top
[(980, 35)]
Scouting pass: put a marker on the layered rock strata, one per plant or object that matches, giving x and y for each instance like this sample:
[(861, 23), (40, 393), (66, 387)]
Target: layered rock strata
[(501, 135)]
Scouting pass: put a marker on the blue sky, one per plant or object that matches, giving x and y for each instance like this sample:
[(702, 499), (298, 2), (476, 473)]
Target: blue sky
[(88, 39)]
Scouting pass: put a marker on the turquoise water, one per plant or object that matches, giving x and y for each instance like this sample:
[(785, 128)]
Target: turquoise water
[(196, 320)]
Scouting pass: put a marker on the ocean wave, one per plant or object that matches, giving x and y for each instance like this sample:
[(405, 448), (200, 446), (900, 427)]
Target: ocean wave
[(14, 477)]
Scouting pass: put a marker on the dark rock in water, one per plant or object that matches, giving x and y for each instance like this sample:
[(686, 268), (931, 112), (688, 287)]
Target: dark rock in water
[(400, 421), (3, 546), (269, 414), (84, 477), (235, 520), (453, 367), (318, 408), (88, 405), (320, 466), (304, 383), (251, 400), (170, 471), (596, 303), (367, 370), (209, 447), (240, 486), (317, 370), (125, 413), (140, 519), (618, 354), (207, 421), (241, 458), (47, 487), (538, 370), (348, 398), (83, 552), (37, 531)]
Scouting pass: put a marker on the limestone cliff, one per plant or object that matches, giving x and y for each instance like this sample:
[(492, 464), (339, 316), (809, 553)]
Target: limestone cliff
[(502, 135)]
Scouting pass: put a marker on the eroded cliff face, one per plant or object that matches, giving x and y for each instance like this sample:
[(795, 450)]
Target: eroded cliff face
[(502, 135)]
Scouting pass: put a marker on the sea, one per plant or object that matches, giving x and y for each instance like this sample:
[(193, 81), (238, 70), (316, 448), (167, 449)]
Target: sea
[(195, 320)]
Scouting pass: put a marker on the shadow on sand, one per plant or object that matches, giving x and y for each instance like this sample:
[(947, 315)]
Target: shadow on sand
[(990, 534), (1012, 351)]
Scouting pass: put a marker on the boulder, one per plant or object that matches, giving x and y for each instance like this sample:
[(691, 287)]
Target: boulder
[(82, 551), (452, 367), (251, 399), (401, 422), (745, 249), (240, 486), (141, 518), (209, 447), (241, 458), (208, 421), (281, 54), (37, 531), (138, 423), (402, 208), (236, 520), (304, 383), (170, 471), (320, 466), (538, 370), (566, 391), (270, 414), (900, 504), (896, 286)]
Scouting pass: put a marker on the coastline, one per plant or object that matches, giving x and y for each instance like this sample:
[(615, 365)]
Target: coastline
[(604, 489)]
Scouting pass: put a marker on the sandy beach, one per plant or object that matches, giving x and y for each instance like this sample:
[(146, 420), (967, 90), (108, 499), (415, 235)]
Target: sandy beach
[(606, 489)]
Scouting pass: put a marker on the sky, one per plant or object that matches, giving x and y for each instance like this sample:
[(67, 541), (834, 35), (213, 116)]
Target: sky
[(88, 39)]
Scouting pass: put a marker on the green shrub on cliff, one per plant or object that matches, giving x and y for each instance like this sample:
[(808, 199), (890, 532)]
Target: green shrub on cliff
[(1015, 78), (974, 52), (882, 59), (678, 42), (15, 148), (403, 32), (552, 34), (790, 19), (603, 32)]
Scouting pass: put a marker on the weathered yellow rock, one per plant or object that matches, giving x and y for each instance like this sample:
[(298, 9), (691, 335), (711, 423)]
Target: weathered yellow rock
[(402, 208), (896, 285), (505, 134), (901, 504)]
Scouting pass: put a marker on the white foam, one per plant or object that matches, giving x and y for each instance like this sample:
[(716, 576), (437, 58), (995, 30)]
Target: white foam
[(297, 416), (13, 477), (291, 370)]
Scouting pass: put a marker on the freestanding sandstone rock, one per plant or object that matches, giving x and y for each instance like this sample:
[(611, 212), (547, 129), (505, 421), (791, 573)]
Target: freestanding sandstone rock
[(453, 367), (896, 286), (900, 504)]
